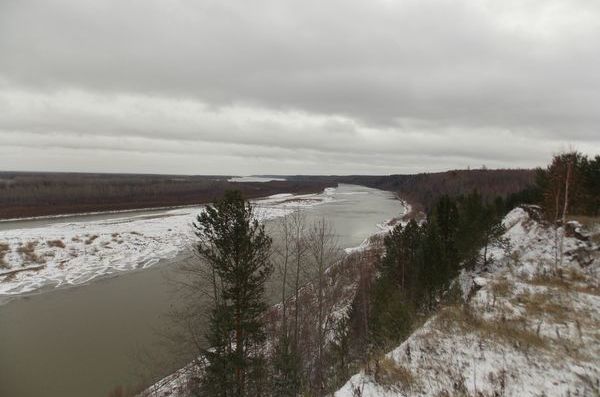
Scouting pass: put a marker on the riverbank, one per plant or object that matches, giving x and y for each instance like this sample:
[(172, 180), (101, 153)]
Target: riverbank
[(525, 324)]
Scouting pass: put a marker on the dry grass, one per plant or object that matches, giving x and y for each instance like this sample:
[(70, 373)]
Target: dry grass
[(557, 280), (567, 280), (501, 287), (540, 304), (4, 249), (389, 373), (55, 243), (28, 253), (575, 275), (513, 331), (91, 239), (76, 239), (588, 289)]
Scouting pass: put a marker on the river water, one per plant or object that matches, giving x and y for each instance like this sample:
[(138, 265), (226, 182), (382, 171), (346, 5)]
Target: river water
[(85, 340)]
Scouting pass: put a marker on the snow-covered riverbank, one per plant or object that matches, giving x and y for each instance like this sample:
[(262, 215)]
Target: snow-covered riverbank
[(72, 253), (529, 326)]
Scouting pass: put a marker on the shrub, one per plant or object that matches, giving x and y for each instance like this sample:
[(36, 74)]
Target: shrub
[(55, 243), (91, 239), (4, 249), (28, 253), (389, 373)]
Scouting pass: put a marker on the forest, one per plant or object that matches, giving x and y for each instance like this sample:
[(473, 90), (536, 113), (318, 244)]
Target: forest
[(423, 190), (25, 194)]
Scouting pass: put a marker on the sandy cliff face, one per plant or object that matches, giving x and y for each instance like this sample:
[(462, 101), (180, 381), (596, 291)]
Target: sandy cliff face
[(530, 325)]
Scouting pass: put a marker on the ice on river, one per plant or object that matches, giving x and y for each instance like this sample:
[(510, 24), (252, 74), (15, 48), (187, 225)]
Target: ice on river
[(77, 252)]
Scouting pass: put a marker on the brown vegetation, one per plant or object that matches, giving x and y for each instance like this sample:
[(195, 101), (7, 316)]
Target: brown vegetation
[(389, 373), (28, 253), (25, 194), (55, 243), (514, 331), (569, 279), (91, 239), (4, 249)]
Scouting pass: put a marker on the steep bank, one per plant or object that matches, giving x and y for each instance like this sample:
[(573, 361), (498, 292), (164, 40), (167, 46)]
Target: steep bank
[(528, 325)]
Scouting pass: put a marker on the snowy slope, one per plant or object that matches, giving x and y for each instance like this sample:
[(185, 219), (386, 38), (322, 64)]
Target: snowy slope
[(76, 252), (531, 325)]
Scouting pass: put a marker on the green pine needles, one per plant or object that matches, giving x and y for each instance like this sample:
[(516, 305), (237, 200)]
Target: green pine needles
[(236, 249)]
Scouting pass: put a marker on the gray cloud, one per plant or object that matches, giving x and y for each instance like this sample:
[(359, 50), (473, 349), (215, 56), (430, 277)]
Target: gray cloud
[(296, 87)]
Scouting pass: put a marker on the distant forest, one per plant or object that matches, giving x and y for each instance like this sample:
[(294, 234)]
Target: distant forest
[(25, 194), (423, 190)]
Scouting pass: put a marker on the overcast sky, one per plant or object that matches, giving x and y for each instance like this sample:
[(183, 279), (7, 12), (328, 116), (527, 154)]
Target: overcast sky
[(296, 87)]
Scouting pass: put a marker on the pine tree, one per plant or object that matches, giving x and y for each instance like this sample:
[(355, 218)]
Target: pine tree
[(591, 174), (236, 249), (446, 218)]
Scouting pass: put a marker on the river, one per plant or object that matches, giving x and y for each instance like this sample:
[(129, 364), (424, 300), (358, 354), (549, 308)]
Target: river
[(85, 340)]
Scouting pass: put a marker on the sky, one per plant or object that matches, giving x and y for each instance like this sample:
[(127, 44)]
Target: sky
[(296, 87)]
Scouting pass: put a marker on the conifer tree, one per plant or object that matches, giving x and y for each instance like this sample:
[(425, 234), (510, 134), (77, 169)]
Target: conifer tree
[(236, 249)]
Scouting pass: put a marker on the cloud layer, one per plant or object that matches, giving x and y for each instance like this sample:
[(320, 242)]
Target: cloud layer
[(296, 87)]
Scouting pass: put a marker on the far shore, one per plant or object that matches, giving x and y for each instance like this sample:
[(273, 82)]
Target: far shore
[(41, 195)]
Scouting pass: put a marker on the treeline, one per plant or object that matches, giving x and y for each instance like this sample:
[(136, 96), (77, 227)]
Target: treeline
[(25, 194), (570, 185), (423, 190)]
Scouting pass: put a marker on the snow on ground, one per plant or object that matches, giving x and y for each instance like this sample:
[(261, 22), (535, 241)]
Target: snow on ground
[(530, 328), (70, 253)]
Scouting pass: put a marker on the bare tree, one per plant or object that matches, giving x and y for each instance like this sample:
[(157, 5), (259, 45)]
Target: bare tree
[(299, 246), (324, 253), (283, 255)]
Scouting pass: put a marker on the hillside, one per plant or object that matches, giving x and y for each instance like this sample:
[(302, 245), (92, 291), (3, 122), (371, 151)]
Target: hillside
[(424, 189), (528, 324)]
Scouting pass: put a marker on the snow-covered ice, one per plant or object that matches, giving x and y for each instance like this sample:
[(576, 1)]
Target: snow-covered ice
[(70, 253), (247, 179)]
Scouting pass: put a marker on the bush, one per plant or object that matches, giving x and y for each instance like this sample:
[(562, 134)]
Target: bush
[(55, 243)]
